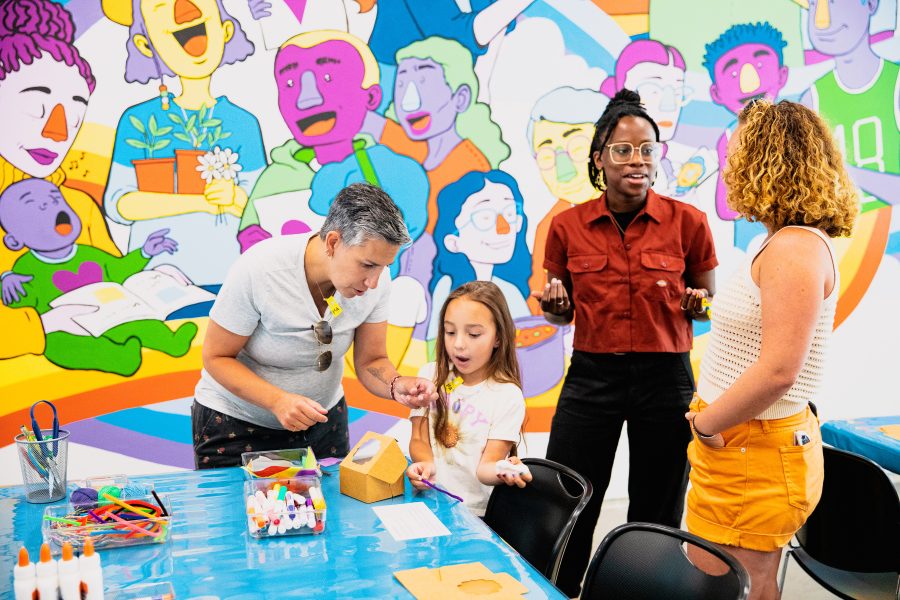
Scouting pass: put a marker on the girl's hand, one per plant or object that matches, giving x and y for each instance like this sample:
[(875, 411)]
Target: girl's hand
[(509, 478), (419, 471), (554, 299), (716, 441)]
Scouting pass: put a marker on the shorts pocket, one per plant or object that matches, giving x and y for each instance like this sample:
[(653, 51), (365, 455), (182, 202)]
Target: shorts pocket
[(803, 474), (718, 482)]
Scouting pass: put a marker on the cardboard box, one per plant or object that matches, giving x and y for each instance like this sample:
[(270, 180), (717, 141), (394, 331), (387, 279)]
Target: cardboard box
[(469, 580), (374, 469)]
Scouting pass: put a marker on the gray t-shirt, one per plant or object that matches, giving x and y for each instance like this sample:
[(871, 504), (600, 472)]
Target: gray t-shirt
[(266, 297)]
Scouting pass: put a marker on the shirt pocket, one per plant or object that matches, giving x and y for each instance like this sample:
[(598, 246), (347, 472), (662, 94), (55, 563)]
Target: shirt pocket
[(587, 276), (662, 277)]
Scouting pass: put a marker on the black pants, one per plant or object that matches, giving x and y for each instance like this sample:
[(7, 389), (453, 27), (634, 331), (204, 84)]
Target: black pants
[(649, 391), (220, 439)]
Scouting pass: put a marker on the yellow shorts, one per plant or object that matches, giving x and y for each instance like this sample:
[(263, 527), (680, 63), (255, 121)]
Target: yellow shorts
[(759, 489)]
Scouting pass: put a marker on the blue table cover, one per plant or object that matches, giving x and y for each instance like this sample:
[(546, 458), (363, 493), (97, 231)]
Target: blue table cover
[(211, 555), (864, 436)]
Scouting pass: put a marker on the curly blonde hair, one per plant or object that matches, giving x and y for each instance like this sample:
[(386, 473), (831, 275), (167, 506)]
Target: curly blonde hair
[(787, 170)]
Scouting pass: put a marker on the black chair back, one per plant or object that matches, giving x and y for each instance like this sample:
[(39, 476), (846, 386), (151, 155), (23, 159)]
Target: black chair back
[(646, 561), (856, 525), (538, 519)]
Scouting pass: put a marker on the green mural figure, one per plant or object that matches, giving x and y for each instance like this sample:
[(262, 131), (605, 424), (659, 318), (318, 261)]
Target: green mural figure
[(36, 217), (860, 98)]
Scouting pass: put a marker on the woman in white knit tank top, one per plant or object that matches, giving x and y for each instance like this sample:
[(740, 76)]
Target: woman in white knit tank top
[(756, 457)]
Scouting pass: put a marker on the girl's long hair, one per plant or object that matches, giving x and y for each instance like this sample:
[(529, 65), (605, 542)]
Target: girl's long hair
[(503, 366)]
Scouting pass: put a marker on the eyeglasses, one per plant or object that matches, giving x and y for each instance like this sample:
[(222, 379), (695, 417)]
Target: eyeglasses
[(485, 219), (621, 152), (669, 97), (578, 148), (324, 334)]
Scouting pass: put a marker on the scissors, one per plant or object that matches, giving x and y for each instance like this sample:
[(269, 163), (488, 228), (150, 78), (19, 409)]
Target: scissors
[(37, 430)]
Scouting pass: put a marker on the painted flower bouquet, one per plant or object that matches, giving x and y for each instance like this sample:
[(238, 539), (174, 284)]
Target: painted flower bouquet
[(219, 164)]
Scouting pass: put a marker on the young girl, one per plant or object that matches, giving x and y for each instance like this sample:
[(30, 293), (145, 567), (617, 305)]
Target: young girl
[(478, 418)]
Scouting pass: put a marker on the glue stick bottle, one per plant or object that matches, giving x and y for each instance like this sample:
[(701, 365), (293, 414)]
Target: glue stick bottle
[(69, 576), (91, 573), (24, 577), (47, 579)]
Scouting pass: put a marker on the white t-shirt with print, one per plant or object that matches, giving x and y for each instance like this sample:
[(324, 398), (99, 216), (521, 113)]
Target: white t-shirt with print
[(267, 298), (487, 411)]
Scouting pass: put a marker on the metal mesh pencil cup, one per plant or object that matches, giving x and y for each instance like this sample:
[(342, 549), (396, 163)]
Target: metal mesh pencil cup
[(43, 465)]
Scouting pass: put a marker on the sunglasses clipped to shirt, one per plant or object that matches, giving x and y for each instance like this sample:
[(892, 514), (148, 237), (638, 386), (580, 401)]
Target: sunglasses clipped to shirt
[(324, 334)]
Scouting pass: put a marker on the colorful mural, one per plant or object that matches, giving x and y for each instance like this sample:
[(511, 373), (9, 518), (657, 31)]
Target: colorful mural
[(147, 143)]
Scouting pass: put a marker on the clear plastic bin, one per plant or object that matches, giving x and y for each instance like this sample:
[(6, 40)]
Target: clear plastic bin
[(281, 464), (116, 527), (270, 514)]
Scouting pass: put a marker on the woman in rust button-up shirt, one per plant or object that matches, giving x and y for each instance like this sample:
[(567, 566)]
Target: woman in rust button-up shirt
[(635, 267)]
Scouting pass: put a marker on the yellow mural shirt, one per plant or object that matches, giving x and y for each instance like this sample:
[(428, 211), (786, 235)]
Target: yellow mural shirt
[(23, 331)]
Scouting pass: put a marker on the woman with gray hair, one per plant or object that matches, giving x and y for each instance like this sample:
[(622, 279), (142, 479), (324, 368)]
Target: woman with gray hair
[(286, 315)]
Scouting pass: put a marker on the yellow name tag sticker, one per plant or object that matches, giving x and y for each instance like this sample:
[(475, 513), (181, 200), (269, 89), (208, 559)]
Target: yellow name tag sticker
[(333, 306), (452, 385)]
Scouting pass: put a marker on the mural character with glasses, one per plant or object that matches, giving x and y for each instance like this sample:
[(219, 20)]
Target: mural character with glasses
[(287, 314)]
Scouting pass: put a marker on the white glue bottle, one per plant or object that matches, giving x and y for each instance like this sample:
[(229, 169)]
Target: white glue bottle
[(91, 573), (47, 580), (24, 578), (69, 577)]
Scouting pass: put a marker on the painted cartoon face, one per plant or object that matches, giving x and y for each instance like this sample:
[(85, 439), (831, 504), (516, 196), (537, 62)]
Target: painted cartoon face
[(661, 88), (188, 35), (320, 92), (838, 26), (36, 216), (487, 225), (43, 108), (747, 72), (354, 270), (470, 336), (561, 151), (423, 100)]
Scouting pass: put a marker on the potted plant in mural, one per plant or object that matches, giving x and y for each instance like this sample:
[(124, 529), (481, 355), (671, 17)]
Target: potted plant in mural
[(153, 174), (198, 130)]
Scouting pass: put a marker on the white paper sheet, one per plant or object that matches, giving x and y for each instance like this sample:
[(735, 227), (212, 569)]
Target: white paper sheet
[(410, 521)]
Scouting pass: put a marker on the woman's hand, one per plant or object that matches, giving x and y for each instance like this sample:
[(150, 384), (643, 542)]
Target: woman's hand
[(298, 413), (414, 392), (692, 301), (554, 299), (716, 441), (419, 471)]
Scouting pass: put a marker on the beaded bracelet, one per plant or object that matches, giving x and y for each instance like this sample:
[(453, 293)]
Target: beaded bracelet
[(393, 381)]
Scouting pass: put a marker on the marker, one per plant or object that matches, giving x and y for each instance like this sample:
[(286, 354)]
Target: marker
[(69, 577), (311, 514), (318, 499), (91, 573), (47, 576), (25, 578)]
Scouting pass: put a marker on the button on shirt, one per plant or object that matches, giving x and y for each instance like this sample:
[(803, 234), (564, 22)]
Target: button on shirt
[(627, 293)]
